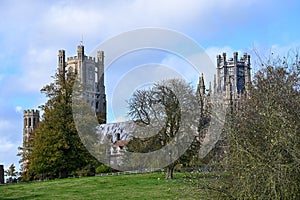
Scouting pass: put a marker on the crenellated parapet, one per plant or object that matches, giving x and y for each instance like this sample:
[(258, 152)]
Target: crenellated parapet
[(31, 120), (31, 112)]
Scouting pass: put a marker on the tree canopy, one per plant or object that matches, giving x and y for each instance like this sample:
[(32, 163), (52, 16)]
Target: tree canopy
[(57, 149), (262, 136), (167, 106)]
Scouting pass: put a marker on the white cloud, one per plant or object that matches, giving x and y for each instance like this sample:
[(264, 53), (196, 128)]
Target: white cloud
[(39, 64), (62, 20), (182, 67), (10, 139), (263, 53), (19, 109), (205, 61), (8, 152), (214, 51), (118, 16), (101, 20), (5, 125), (283, 50), (137, 78), (6, 146)]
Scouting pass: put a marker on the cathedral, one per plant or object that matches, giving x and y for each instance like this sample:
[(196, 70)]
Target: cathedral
[(231, 82)]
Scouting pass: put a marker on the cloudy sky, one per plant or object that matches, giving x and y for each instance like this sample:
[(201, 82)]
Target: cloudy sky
[(32, 32)]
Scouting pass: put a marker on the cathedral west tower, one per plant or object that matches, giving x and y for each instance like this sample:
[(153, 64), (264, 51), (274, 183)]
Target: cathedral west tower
[(91, 74)]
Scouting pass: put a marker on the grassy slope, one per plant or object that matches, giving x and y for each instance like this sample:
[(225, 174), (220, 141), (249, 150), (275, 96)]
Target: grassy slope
[(140, 186)]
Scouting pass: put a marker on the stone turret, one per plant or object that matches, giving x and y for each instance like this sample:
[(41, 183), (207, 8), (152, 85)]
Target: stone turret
[(31, 121), (101, 100), (201, 87), (247, 72), (232, 80), (215, 84), (80, 52), (61, 61)]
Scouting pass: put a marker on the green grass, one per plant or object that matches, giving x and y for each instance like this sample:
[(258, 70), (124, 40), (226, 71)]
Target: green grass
[(137, 186)]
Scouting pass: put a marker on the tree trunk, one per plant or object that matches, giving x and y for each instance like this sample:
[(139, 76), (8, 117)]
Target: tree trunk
[(63, 174), (170, 170)]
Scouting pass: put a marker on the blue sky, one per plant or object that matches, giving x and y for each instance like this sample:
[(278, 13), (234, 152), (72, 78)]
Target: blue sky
[(32, 32)]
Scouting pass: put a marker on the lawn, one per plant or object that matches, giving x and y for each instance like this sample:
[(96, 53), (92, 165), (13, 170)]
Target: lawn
[(135, 186)]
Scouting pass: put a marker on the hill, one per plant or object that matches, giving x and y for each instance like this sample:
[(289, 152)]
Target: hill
[(137, 186)]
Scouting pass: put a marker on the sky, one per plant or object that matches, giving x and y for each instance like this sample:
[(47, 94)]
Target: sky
[(32, 32)]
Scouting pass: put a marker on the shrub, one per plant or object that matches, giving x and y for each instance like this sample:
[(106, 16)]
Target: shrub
[(103, 169)]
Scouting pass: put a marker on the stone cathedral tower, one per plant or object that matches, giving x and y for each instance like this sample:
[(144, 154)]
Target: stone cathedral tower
[(230, 87), (233, 76), (232, 80), (31, 120), (91, 73)]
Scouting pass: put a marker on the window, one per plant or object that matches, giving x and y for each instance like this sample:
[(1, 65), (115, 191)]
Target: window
[(90, 74)]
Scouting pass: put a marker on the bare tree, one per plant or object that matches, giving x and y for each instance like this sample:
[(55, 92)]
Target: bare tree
[(264, 134), (170, 108)]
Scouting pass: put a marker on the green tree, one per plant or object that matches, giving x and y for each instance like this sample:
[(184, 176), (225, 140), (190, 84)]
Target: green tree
[(57, 149), (11, 173)]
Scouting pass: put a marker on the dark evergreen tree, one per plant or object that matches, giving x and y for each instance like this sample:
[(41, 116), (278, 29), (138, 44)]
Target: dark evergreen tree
[(11, 173), (57, 149)]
